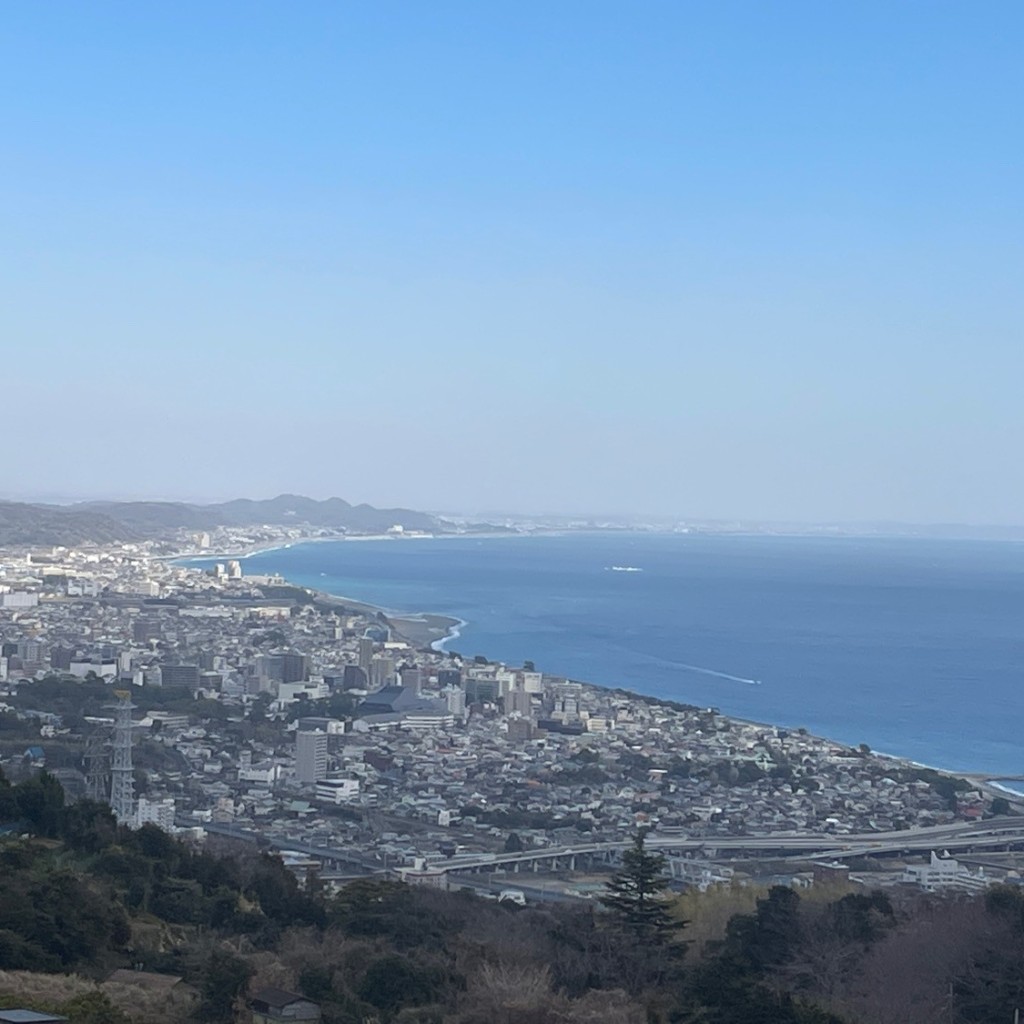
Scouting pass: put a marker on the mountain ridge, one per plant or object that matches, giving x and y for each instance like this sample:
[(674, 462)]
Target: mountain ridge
[(26, 523)]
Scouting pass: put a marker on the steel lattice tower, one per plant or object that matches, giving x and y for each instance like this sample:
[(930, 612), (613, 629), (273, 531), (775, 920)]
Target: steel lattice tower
[(122, 778), (97, 764)]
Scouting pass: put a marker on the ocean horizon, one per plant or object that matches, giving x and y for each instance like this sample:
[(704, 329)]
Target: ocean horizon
[(911, 646)]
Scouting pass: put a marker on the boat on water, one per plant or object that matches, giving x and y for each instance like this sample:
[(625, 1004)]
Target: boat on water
[(625, 568)]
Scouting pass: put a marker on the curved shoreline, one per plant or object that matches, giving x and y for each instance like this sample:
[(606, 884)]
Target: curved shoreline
[(455, 626), (454, 632)]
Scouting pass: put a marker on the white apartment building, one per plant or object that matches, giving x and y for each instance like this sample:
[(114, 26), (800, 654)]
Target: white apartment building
[(155, 812), (310, 756)]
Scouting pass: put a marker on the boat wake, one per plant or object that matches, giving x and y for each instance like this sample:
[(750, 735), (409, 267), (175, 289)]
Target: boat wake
[(719, 675)]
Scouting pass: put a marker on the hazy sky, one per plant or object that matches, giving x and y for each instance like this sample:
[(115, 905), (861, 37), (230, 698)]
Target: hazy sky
[(727, 259)]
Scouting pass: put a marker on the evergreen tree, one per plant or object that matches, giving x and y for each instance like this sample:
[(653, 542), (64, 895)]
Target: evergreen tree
[(637, 894)]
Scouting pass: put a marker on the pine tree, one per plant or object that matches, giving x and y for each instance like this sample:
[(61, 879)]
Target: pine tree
[(637, 894)]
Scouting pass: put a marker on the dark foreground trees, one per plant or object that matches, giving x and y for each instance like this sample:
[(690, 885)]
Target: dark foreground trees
[(644, 938), (82, 894), (636, 894)]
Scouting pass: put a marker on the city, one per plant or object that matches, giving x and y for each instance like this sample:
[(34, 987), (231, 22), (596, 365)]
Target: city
[(238, 709)]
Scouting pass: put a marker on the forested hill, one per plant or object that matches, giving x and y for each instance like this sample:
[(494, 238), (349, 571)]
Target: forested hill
[(81, 897), (111, 521)]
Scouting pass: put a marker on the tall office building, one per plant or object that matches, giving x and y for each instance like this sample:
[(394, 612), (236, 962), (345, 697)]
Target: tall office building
[(480, 690), (180, 675), (518, 701), (60, 658), (294, 667), (365, 654), (269, 666), (382, 672), (354, 678), (310, 756)]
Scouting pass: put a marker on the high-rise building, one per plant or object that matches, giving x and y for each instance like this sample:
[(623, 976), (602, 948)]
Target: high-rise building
[(455, 697), (479, 690), (365, 654), (294, 667), (60, 658), (310, 756), (354, 678), (412, 678), (533, 682), (32, 652), (269, 666), (518, 702), (449, 677), (209, 681), (382, 672), (144, 630), (180, 675)]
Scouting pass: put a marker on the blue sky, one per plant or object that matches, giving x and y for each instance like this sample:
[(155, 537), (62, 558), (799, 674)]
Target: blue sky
[(715, 260)]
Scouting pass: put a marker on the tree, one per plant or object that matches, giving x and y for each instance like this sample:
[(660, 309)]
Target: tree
[(93, 1008), (8, 800), (1000, 805), (637, 894), (225, 976), (393, 982), (41, 803), (513, 844)]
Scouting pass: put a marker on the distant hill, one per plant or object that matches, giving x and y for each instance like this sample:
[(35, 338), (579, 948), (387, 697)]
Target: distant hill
[(22, 524), (111, 521)]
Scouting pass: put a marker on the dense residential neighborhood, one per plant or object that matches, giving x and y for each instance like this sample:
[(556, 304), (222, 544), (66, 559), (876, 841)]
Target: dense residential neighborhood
[(265, 712)]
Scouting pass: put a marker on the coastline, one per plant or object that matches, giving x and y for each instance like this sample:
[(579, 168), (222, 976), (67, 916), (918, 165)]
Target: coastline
[(431, 630), (270, 546)]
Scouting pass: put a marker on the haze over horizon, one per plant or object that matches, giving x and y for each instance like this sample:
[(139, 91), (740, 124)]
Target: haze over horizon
[(716, 261)]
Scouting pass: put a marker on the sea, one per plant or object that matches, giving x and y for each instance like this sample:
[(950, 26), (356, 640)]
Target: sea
[(914, 647)]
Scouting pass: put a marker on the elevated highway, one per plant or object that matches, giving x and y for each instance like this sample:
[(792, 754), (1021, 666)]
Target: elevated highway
[(997, 833)]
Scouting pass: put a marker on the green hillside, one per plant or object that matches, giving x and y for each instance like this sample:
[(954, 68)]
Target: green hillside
[(81, 896)]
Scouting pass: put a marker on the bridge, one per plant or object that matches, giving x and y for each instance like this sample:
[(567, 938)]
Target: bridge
[(996, 833), (326, 854)]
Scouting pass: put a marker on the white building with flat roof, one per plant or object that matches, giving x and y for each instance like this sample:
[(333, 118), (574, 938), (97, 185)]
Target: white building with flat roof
[(337, 791), (155, 812)]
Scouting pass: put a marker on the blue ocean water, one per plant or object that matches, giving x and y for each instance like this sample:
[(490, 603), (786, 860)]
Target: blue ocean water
[(915, 647)]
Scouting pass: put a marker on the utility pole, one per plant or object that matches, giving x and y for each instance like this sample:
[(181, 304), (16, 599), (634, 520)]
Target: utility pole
[(122, 778)]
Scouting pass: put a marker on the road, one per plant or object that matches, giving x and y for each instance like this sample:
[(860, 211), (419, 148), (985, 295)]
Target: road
[(995, 832)]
